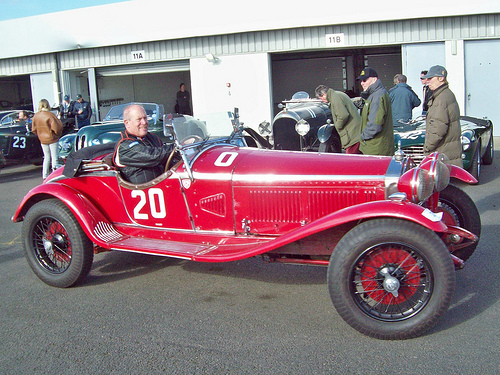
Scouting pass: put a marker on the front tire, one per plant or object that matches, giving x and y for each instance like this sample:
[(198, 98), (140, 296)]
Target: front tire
[(391, 279), (55, 246)]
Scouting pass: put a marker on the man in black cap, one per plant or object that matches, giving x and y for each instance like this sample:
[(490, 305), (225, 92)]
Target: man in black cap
[(82, 111), (443, 131), (377, 135), (65, 108)]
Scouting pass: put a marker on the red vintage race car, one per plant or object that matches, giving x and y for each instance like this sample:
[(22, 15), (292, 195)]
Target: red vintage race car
[(390, 233)]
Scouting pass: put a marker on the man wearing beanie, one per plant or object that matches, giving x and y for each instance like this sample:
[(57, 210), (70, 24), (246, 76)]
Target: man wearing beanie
[(377, 135)]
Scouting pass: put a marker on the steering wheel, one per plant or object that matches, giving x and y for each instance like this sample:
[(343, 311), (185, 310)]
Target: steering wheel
[(169, 160), (191, 139), (185, 141)]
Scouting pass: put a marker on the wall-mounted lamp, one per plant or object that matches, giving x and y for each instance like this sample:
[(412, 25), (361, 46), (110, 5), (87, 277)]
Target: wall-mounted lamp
[(211, 57)]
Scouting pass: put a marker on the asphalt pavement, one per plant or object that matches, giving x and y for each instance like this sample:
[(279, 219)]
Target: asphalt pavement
[(139, 314)]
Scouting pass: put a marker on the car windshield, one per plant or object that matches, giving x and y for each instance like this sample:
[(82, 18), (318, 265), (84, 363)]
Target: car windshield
[(195, 134), (414, 124), (8, 118), (116, 113)]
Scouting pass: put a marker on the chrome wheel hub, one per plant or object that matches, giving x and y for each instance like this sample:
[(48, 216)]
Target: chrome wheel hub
[(390, 283)]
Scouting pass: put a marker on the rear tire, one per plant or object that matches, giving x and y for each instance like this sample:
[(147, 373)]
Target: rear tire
[(55, 246), (391, 279), (475, 166), (460, 210), (490, 152)]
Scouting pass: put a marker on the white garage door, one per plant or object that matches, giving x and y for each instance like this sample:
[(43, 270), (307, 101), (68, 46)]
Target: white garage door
[(482, 59), (42, 87)]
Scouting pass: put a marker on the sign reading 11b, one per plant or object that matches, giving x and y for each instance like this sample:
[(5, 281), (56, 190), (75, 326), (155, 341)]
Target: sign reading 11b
[(335, 40)]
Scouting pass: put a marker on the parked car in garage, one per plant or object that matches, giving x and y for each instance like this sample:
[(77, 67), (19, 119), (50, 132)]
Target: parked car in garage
[(391, 233), (477, 141), (296, 126)]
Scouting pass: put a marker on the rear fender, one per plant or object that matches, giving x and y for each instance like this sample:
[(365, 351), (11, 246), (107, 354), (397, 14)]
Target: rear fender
[(96, 226)]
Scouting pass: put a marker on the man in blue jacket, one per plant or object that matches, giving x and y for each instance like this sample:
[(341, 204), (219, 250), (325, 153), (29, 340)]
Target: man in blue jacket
[(403, 100), (82, 111)]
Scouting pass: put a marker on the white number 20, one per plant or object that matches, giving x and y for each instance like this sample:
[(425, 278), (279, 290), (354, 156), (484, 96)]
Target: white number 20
[(156, 204)]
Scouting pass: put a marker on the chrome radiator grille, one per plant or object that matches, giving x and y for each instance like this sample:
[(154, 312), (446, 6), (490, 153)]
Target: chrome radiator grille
[(415, 152)]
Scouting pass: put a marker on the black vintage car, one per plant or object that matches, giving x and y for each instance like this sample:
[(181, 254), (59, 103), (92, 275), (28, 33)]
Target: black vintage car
[(18, 145), (296, 126)]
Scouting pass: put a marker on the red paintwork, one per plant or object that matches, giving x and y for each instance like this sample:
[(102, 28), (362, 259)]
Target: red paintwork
[(462, 175), (293, 197)]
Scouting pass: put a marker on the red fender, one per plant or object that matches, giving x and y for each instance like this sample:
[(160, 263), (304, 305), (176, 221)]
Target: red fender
[(93, 222), (462, 174), (394, 209)]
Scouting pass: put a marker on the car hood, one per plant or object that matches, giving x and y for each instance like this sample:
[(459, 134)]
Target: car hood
[(254, 164)]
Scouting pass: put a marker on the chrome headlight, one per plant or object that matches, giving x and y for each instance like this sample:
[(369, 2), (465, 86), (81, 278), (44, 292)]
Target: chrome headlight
[(417, 184), (438, 171), (302, 127), (65, 145), (466, 139)]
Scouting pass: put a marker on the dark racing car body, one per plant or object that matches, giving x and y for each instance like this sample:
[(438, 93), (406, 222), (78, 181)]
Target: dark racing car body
[(17, 143), (296, 126), (390, 233)]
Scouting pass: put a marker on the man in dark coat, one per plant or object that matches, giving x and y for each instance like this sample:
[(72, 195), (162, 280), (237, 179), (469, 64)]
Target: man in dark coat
[(183, 101), (139, 155), (377, 134), (426, 92), (443, 131), (82, 111)]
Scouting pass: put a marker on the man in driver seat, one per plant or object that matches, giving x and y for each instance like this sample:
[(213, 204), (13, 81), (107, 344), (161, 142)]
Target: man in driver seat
[(139, 155)]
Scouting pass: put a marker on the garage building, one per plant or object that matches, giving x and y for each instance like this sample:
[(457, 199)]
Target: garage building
[(251, 56)]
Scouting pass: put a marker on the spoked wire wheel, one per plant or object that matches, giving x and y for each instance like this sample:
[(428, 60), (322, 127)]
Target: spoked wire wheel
[(51, 245), (391, 282), (391, 278), (55, 245)]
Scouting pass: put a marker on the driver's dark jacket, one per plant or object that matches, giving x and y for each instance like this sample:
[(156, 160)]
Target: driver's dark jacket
[(140, 159)]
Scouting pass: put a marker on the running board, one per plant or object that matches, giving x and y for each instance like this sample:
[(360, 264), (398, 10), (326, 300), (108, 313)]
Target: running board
[(183, 250)]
